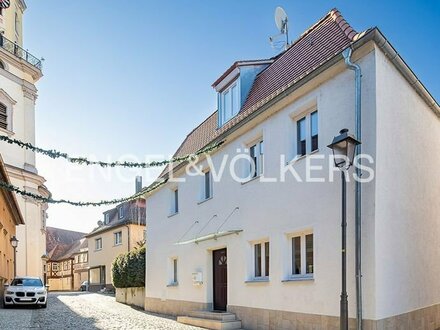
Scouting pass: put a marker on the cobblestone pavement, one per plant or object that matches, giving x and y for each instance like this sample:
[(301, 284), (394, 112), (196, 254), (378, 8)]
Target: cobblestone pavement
[(74, 310)]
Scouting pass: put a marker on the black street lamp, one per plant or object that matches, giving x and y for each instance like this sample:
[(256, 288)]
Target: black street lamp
[(343, 147), (14, 243)]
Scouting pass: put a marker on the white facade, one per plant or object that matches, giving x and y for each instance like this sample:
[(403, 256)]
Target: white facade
[(400, 211), (18, 93)]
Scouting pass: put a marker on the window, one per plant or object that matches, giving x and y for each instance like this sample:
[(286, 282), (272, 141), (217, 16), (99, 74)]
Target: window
[(256, 153), (314, 130), (77, 259), (106, 218), (2, 65), (98, 244), (175, 201), (261, 259), (118, 238), (229, 103), (207, 185), (121, 212), (175, 270), (301, 137), (307, 139), (55, 267), (302, 255), (3, 116), (16, 24)]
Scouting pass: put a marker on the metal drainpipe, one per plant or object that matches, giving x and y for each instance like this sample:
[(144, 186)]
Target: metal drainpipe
[(358, 201)]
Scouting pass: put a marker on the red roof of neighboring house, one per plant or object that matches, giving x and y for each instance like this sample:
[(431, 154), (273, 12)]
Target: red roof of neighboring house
[(58, 236)]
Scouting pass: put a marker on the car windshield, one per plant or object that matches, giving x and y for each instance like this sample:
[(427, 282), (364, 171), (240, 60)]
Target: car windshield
[(27, 282)]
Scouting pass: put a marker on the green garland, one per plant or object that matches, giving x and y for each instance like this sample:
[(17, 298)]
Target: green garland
[(40, 198), (84, 161)]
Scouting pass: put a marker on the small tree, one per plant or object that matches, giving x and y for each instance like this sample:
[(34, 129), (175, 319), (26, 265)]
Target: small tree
[(129, 269)]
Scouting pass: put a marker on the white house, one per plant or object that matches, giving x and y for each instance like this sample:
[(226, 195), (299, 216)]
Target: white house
[(269, 252), (19, 72)]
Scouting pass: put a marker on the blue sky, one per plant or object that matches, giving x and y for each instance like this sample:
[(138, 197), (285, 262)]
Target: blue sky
[(133, 78)]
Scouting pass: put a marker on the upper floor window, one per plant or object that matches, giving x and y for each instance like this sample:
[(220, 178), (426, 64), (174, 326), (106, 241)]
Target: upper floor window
[(17, 24), (106, 218), (256, 153), (207, 185), (307, 134), (302, 254), (175, 201), (118, 238), (98, 244), (229, 102), (3, 116), (261, 259), (2, 65), (121, 212)]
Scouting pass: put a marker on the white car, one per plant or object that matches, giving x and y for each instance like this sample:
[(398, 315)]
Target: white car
[(25, 291)]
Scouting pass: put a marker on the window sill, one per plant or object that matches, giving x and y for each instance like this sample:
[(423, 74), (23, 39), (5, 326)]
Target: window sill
[(299, 278), (257, 280), (204, 200), (7, 132), (172, 284), (298, 158), (173, 214), (96, 250), (119, 244), (251, 180)]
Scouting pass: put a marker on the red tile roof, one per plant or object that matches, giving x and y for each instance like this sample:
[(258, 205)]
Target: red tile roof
[(322, 41)]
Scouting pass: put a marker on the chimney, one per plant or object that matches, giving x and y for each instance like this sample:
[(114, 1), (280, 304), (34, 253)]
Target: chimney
[(138, 183)]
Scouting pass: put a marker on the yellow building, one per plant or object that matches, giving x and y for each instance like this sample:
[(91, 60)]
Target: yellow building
[(19, 72), (10, 216), (122, 230)]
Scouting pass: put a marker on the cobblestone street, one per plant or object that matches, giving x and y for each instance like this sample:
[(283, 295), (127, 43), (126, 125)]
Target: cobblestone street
[(84, 311)]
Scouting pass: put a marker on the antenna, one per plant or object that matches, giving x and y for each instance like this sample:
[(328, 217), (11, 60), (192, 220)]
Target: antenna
[(281, 21)]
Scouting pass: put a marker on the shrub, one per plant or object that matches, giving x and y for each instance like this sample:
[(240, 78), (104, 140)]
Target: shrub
[(129, 269)]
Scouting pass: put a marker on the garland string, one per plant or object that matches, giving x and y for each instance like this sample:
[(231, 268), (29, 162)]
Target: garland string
[(84, 161), (50, 200)]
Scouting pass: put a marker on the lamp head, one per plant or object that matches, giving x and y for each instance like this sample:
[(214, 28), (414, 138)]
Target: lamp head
[(343, 147)]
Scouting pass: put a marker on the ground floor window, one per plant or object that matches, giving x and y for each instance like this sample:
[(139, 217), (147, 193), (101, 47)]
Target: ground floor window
[(261, 259), (302, 251)]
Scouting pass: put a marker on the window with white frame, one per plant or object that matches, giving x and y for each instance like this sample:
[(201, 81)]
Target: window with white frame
[(106, 218), (173, 271), (121, 212), (302, 263), (229, 102), (55, 267), (307, 132), (261, 259), (256, 154), (118, 238), (174, 201), (98, 244), (207, 185)]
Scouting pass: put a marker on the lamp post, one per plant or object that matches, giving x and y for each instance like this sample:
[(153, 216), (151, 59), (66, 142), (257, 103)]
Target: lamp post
[(343, 147), (14, 243)]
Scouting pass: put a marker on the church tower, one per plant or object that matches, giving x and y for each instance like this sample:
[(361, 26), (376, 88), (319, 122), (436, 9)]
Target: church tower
[(19, 72)]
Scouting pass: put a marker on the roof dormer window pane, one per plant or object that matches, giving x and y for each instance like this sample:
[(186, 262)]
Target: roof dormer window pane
[(229, 103)]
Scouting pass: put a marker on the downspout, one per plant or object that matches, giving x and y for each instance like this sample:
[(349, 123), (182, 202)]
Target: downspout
[(358, 201)]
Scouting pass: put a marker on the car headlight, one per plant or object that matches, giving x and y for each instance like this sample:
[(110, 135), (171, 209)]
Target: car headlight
[(41, 292), (9, 292)]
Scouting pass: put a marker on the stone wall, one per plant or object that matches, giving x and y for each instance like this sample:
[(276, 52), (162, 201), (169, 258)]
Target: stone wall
[(131, 296), (174, 307)]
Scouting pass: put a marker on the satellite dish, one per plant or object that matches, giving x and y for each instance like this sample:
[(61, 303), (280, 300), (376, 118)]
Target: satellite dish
[(281, 19), (100, 223)]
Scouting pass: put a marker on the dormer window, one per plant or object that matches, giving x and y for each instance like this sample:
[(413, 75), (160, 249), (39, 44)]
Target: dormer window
[(229, 102)]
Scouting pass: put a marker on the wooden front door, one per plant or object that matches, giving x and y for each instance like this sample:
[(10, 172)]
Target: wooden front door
[(220, 278)]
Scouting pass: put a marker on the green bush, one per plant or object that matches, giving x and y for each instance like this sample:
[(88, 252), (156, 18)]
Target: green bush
[(129, 269)]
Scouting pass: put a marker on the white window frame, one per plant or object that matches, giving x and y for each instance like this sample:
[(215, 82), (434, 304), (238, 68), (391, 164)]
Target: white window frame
[(121, 212), (9, 102), (205, 195), (107, 218), (259, 168), (173, 271), (117, 237), (174, 201), (223, 117), (308, 131), (96, 244), (303, 255), (262, 247), (55, 266)]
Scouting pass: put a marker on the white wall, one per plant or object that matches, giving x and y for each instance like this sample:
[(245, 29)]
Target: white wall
[(407, 192), (270, 210)]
